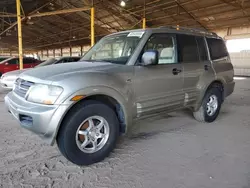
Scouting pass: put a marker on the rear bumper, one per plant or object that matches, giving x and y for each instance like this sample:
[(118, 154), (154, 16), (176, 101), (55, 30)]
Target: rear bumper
[(43, 120), (229, 89)]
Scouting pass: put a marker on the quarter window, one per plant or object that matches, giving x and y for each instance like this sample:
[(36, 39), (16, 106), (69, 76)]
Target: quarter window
[(187, 49), (164, 44), (217, 48)]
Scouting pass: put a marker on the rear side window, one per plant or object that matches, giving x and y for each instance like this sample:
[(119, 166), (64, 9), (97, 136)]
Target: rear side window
[(187, 48), (73, 59), (28, 60), (64, 60), (202, 48), (217, 48)]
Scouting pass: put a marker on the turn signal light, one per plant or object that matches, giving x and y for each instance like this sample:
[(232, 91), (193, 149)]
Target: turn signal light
[(77, 97)]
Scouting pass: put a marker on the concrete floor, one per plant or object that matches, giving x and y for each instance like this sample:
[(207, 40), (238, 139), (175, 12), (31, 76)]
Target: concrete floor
[(172, 151)]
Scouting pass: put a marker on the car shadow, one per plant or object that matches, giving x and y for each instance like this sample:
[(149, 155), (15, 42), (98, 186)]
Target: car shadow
[(163, 123)]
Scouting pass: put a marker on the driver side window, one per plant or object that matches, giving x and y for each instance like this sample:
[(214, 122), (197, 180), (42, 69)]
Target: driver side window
[(164, 44)]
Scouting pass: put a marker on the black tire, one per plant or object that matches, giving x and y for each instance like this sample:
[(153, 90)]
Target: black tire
[(201, 115), (66, 138)]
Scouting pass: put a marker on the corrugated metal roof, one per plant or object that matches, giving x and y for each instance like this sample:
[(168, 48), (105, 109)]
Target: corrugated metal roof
[(74, 28)]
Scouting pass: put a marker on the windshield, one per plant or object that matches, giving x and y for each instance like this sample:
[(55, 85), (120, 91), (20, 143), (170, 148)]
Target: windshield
[(47, 62), (3, 58), (114, 49)]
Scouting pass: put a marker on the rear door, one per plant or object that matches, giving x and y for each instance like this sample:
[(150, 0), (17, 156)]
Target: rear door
[(192, 54), (220, 59), (27, 62), (35, 62)]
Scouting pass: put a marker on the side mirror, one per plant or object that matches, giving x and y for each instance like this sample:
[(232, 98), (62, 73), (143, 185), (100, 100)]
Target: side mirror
[(150, 58)]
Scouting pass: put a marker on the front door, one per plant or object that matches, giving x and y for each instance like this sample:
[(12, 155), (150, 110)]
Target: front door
[(11, 65), (159, 87)]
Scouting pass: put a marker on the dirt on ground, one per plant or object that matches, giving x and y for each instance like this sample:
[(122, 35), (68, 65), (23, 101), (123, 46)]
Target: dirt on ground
[(169, 151)]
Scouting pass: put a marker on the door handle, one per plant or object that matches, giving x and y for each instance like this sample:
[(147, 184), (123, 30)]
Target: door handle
[(176, 71), (128, 80), (206, 67)]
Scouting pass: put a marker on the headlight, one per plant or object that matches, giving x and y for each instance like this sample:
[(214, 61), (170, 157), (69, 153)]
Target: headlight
[(43, 94)]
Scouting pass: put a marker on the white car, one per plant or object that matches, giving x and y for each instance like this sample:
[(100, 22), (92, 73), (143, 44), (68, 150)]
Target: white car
[(7, 80)]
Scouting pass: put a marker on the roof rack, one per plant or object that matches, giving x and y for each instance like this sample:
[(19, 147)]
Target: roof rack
[(193, 30)]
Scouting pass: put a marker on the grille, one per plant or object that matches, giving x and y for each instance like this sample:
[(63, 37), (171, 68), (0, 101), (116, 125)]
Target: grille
[(22, 87)]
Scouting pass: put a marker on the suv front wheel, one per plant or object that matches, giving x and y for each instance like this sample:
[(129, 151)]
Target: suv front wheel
[(210, 107), (89, 133)]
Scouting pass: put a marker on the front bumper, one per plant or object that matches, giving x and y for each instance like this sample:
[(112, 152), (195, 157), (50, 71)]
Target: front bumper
[(43, 120)]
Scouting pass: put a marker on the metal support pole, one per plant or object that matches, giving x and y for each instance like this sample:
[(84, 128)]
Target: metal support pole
[(20, 40), (144, 16), (92, 26), (70, 51), (144, 23), (81, 50)]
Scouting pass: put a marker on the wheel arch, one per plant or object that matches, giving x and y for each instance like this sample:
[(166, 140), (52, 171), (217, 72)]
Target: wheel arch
[(118, 103), (218, 83), (111, 102)]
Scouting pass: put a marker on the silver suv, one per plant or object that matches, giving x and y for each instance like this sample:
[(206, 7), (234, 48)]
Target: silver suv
[(126, 76)]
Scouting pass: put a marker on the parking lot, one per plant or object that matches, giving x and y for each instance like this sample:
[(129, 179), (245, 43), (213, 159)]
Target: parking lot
[(166, 151)]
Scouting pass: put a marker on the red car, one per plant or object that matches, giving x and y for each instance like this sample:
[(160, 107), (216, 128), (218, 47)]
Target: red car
[(12, 64)]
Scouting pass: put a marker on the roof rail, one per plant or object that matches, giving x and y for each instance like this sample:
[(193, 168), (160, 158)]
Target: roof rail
[(193, 30)]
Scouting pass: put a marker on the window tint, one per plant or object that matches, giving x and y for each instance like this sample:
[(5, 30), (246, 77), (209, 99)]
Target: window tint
[(217, 48), (164, 44), (73, 59), (3, 58), (28, 60), (187, 48), (64, 60), (202, 48), (76, 59), (14, 61)]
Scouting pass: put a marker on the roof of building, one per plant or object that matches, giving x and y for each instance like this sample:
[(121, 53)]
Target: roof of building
[(69, 29)]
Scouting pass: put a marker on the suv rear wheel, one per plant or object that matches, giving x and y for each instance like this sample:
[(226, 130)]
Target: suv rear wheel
[(89, 133), (210, 107)]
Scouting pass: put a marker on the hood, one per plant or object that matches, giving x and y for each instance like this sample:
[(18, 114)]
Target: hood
[(59, 70), (15, 73)]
